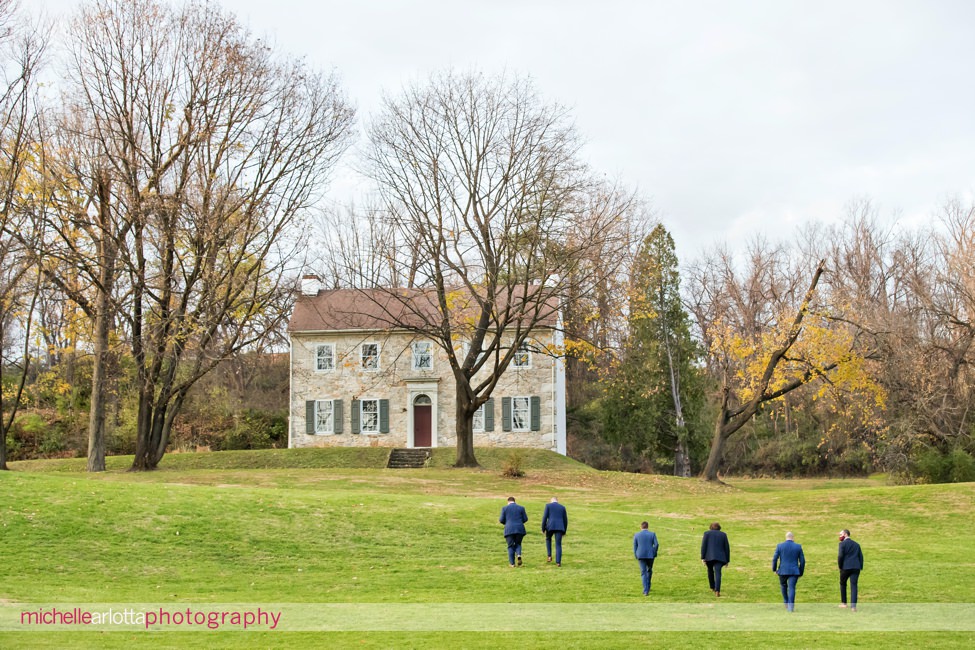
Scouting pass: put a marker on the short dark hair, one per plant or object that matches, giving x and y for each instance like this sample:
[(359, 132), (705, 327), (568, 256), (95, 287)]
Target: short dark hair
[(511, 499), (845, 532), (715, 526), (644, 525)]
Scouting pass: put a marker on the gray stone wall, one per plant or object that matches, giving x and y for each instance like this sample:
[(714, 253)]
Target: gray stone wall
[(397, 381)]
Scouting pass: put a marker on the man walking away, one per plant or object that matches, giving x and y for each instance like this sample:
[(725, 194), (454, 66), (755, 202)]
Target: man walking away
[(555, 522), (645, 549), (850, 561), (789, 563), (715, 553), (513, 518)]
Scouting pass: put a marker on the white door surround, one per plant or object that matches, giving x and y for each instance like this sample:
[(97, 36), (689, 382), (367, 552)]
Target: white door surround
[(415, 388)]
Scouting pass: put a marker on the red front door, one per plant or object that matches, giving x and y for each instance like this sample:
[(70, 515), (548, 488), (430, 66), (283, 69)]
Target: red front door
[(421, 425)]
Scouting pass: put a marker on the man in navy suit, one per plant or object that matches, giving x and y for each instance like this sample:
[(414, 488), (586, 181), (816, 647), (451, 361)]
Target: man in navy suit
[(789, 562), (513, 517), (715, 553), (555, 521), (645, 548), (850, 561)]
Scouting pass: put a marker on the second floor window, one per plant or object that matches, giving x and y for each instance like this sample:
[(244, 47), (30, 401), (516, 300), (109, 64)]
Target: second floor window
[(325, 357), (370, 356), (423, 355), (523, 356)]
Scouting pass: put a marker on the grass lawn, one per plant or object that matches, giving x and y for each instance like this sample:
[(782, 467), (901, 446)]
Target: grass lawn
[(354, 555)]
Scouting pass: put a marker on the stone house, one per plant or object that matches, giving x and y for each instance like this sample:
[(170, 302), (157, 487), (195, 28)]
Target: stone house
[(356, 381)]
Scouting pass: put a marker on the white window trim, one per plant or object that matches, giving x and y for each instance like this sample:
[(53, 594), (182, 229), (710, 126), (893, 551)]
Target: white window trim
[(465, 348), (528, 413), (325, 345), (413, 355), (362, 357), (362, 416), (476, 428), (525, 349), (331, 403)]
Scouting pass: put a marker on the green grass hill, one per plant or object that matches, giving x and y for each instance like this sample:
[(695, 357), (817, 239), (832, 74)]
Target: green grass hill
[(356, 555)]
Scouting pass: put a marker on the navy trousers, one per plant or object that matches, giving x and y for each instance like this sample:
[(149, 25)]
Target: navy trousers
[(558, 544), (788, 584), (646, 572), (714, 574), (514, 546), (853, 575)]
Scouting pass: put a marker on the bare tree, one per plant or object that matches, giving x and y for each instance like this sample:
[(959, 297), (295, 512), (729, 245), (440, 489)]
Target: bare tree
[(490, 210), (942, 283), (22, 47), (203, 151)]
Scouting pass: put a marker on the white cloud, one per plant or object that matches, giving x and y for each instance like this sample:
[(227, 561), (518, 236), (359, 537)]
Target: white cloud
[(739, 118)]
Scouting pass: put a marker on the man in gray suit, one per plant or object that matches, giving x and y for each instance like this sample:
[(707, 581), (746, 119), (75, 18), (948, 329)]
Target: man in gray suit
[(645, 549), (513, 518), (850, 561)]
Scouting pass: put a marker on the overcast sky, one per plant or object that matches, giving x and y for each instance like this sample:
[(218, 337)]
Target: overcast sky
[(736, 119)]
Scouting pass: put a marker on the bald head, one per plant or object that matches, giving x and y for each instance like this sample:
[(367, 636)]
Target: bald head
[(790, 536)]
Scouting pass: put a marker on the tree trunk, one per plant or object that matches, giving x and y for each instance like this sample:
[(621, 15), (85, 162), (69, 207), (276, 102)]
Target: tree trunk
[(465, 430), (722, 429), (3, 424), (103, 323), (96, 414), (143, 427), (717, 451), (682, 460)]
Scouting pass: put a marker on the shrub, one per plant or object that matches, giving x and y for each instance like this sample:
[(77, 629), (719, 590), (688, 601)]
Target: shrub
[(511, 467), (933, 466), (38, 435), (961, 467), (257, 430)]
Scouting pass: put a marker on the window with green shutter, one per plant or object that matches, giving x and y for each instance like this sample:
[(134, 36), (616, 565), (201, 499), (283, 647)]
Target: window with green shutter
[(506, 414), (536, 412), (310, 417), (384, 416), (369, 415), (520, 414), (337, 415), (355, 416), (489, 414), (323, 416)]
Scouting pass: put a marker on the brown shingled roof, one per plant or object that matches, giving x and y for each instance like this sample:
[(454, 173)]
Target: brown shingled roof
[(365, 309)]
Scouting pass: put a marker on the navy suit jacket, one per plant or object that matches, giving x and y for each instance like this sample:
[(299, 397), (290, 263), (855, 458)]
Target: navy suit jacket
[(714, 546), (555, 518), (513, 516), (850, 557), (788, 559), (645, 545)]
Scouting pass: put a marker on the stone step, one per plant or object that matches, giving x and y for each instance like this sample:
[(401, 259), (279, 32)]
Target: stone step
[(407, 458)]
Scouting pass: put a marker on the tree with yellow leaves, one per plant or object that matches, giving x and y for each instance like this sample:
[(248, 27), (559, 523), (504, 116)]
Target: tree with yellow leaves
[(767, 339)]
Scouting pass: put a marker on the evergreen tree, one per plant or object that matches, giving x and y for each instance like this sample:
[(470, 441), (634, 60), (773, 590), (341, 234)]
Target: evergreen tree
[(657, 389)]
